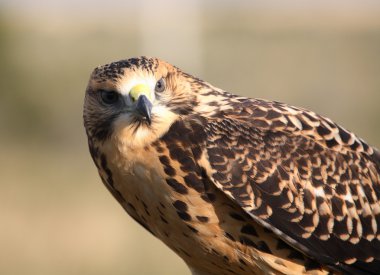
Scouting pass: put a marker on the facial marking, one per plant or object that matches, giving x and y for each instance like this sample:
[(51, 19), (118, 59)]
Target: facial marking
[(126, 84)]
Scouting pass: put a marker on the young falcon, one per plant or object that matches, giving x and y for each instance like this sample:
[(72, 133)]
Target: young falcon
[(233, 185)]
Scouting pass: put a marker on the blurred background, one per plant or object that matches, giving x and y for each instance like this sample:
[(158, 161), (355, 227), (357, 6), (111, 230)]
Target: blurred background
[(56, 216)]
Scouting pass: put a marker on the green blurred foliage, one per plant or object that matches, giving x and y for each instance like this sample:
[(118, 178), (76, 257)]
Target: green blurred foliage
[(17, 109)]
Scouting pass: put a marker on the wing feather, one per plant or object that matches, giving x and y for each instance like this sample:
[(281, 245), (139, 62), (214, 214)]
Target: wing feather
[(313, 183)]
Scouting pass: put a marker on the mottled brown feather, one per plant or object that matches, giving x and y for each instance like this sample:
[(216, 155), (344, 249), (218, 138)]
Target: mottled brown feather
[(317, 190), (236, 185)]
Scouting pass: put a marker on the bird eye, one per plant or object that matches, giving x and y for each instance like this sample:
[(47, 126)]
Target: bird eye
[(160, 85), (109, 97)]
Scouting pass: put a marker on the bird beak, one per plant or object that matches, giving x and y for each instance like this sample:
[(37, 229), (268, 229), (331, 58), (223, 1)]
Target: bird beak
[(141, 95)]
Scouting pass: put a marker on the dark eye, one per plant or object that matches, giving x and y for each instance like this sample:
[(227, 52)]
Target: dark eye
[(160, 85), (109, 97)]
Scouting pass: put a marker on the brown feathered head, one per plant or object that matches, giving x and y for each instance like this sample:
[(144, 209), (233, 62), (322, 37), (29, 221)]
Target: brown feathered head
[(137, 98)]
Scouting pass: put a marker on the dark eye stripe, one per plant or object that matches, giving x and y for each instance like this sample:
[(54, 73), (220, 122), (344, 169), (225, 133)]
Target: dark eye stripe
[(109, 97)]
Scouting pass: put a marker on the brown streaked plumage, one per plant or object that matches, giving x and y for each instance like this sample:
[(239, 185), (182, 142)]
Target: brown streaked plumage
[(233, 185)]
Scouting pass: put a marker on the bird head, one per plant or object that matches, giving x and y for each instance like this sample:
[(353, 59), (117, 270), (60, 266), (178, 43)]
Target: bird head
[(136, 100)]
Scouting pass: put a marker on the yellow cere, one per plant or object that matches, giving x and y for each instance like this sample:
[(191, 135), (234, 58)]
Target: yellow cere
[(140, 89)]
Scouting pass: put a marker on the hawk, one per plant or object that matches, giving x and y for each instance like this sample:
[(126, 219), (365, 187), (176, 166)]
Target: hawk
[(233, 185)]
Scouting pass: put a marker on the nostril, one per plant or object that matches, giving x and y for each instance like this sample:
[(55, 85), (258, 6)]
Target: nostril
[(137, 90), (134, 97)]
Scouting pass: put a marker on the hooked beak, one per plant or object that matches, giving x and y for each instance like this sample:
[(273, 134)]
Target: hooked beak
[(141, 94), (144, 108)]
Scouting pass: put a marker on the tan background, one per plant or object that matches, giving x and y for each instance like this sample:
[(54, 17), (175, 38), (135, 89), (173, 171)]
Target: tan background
[(55, 215)]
